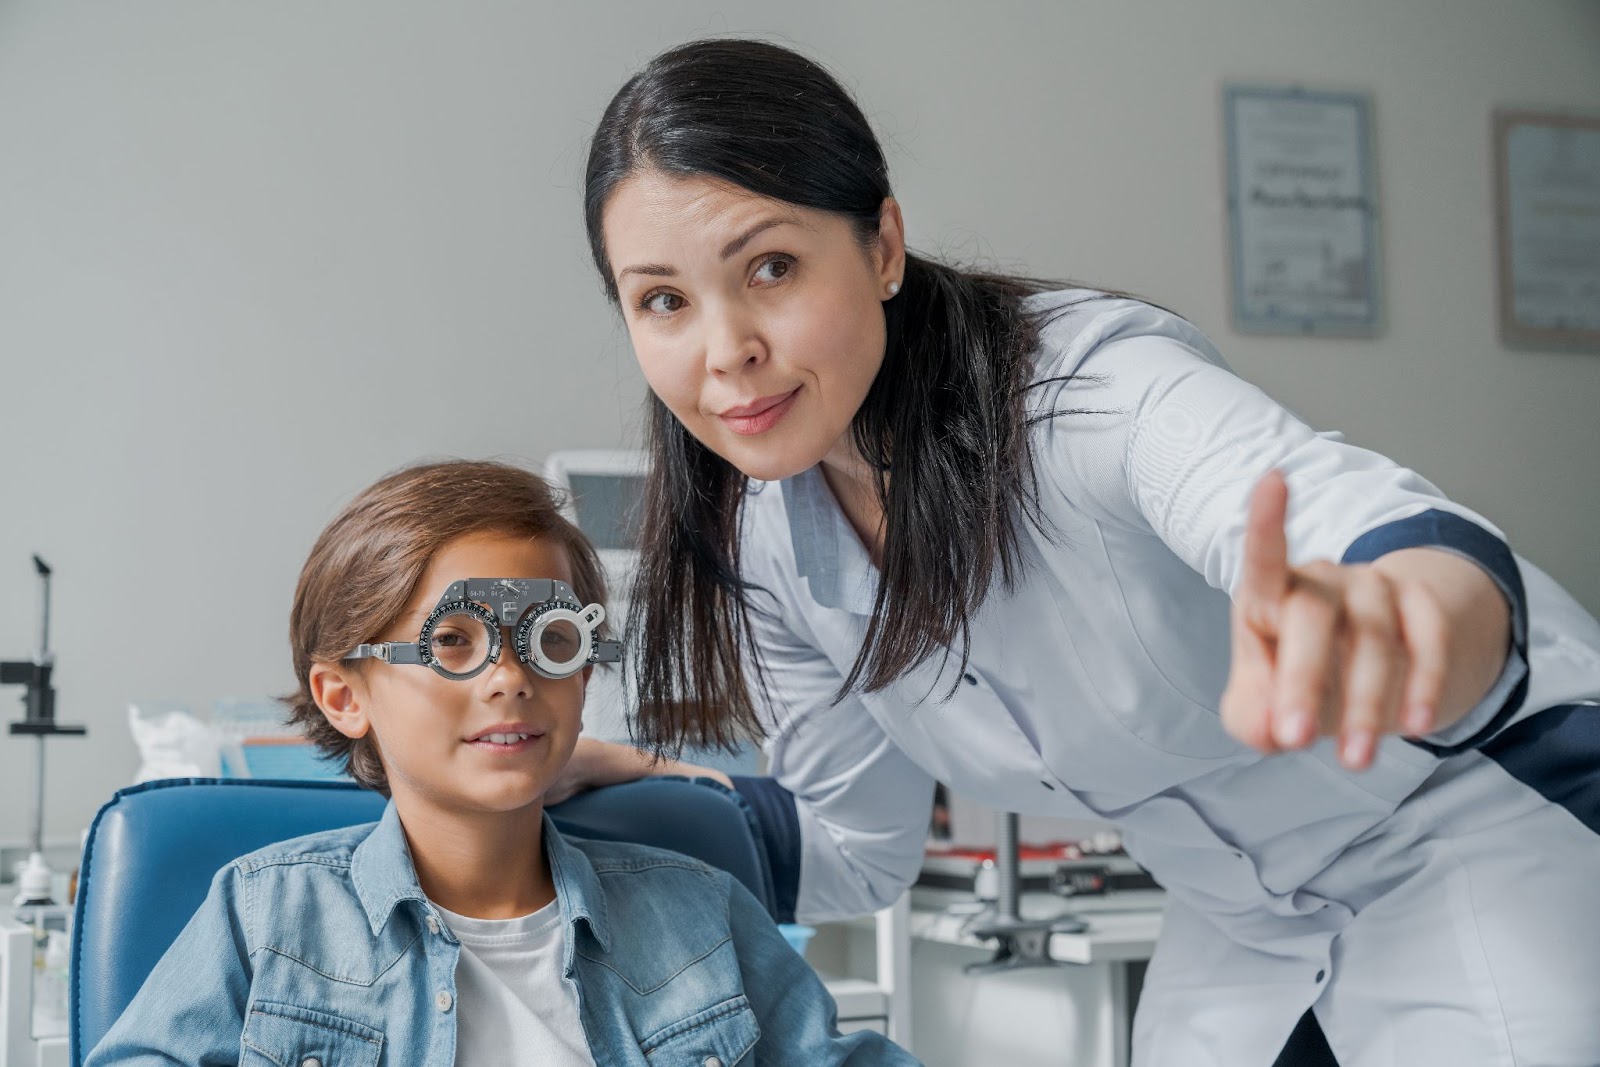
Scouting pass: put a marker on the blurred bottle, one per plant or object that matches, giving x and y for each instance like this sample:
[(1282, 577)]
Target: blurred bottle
[(51, 957)]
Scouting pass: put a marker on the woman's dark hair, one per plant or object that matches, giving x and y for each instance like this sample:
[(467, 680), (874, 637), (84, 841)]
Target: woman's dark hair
[(946, 411), (365, 567)]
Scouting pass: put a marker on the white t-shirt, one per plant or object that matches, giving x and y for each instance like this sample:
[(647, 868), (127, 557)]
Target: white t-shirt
[(515, 1006)]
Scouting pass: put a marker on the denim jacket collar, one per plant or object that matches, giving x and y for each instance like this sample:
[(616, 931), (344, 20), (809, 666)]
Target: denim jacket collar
[(577, 887), (382, 874)]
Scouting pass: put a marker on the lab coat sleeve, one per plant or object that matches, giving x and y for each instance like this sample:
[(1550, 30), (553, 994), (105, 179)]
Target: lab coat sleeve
[(1175, 442), (861, 806), (191, 1009)]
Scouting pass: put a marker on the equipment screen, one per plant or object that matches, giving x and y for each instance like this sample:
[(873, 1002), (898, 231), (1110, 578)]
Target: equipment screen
[(608, 507)]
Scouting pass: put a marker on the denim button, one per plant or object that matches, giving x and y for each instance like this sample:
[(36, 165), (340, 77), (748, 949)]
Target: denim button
[(433, 925), (713, 1061), (443, 1000), (310, 1061)]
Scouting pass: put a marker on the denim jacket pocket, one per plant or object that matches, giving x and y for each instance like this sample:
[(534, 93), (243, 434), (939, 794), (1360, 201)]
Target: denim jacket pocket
[(287, 1036), (722, 1033)]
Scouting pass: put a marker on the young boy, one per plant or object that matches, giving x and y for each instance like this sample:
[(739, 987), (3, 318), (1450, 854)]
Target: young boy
[(443, 633)]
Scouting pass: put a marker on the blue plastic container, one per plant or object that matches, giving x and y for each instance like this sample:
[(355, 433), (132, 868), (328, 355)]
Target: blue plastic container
[(798, 936)]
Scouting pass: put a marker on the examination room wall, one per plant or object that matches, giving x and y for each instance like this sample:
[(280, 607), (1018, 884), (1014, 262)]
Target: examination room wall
[(254, 255)]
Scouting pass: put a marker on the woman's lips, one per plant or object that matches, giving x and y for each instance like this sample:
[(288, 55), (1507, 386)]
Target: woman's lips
[(760, 416)]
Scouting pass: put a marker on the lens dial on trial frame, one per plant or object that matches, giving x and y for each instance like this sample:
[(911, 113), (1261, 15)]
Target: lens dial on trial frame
[(460, 639), (553, 633)]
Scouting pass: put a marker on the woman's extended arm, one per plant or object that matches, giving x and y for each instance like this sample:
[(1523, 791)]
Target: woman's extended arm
[(1365, 601)]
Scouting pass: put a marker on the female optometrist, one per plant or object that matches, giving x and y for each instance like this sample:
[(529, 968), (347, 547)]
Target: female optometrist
[(914, 523)]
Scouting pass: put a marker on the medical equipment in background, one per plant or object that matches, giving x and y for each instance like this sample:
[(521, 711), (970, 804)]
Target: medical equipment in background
[(1090, 866), (605, 494), (34, 929), (39, 722), (604, 491), (1021, 942)]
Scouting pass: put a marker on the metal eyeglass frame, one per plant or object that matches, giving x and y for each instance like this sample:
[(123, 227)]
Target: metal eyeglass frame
[(526, 604)]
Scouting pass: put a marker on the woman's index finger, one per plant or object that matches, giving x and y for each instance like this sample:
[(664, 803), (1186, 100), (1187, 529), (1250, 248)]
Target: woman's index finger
[(1266, 548)]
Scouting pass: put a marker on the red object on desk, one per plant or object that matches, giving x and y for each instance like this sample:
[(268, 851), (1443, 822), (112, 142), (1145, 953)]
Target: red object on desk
[(1052, 850)]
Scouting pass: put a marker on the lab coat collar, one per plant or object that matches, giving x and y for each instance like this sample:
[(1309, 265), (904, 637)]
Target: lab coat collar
[(383, 875), (827, 552)]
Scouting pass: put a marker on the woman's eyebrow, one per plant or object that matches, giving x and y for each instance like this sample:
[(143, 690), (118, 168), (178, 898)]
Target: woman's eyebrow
[(663, 270), (733, 246), (654, 270)]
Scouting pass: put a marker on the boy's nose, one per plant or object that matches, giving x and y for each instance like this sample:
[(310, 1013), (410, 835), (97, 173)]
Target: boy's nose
[(509, 676)]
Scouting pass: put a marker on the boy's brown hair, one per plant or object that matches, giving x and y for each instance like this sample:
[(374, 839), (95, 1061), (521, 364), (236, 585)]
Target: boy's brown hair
[(365, 567)]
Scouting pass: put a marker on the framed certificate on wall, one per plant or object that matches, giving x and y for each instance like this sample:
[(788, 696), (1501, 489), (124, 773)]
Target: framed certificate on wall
[(1302, 211), (1547, 218)]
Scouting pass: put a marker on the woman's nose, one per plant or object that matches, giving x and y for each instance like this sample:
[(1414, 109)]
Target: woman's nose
[(733, 342)]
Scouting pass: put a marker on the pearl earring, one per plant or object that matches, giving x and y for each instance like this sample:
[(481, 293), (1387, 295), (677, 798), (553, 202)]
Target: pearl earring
[(894, 287)]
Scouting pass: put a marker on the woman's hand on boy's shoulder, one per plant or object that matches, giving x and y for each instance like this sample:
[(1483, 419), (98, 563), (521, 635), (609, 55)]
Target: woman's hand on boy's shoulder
[(594, 763), (597, 763)]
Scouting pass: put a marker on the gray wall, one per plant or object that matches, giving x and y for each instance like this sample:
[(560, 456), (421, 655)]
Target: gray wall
[(253, 255)]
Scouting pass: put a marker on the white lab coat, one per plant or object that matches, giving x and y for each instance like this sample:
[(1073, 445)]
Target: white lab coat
[(1435, 910)]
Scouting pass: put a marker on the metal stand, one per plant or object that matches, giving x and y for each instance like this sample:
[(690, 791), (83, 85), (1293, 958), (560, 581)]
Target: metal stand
[(39, 721), (1022, 942)]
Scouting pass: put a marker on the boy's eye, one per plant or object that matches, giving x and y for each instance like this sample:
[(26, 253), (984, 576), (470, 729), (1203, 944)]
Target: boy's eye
[(558, 639)]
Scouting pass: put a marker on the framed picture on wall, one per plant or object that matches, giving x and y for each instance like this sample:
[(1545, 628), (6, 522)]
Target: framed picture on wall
[(1547, 218), (1302, 211)]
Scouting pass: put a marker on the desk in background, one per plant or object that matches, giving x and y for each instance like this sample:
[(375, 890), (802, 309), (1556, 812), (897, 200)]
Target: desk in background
[(1081, 1013)]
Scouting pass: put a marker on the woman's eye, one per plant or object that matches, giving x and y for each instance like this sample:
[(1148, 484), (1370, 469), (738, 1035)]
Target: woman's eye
[(774, 269), (660, 303), (451, 639)]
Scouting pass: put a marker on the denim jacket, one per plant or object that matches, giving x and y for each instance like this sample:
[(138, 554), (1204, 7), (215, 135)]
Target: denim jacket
[(324, 950)]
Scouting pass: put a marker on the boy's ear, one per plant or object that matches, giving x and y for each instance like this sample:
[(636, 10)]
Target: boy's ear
[(339, 693)]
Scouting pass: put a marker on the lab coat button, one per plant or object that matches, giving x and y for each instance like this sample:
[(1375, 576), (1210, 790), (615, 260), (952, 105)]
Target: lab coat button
[(443, 1000), (1321, 975), (972, 679)]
